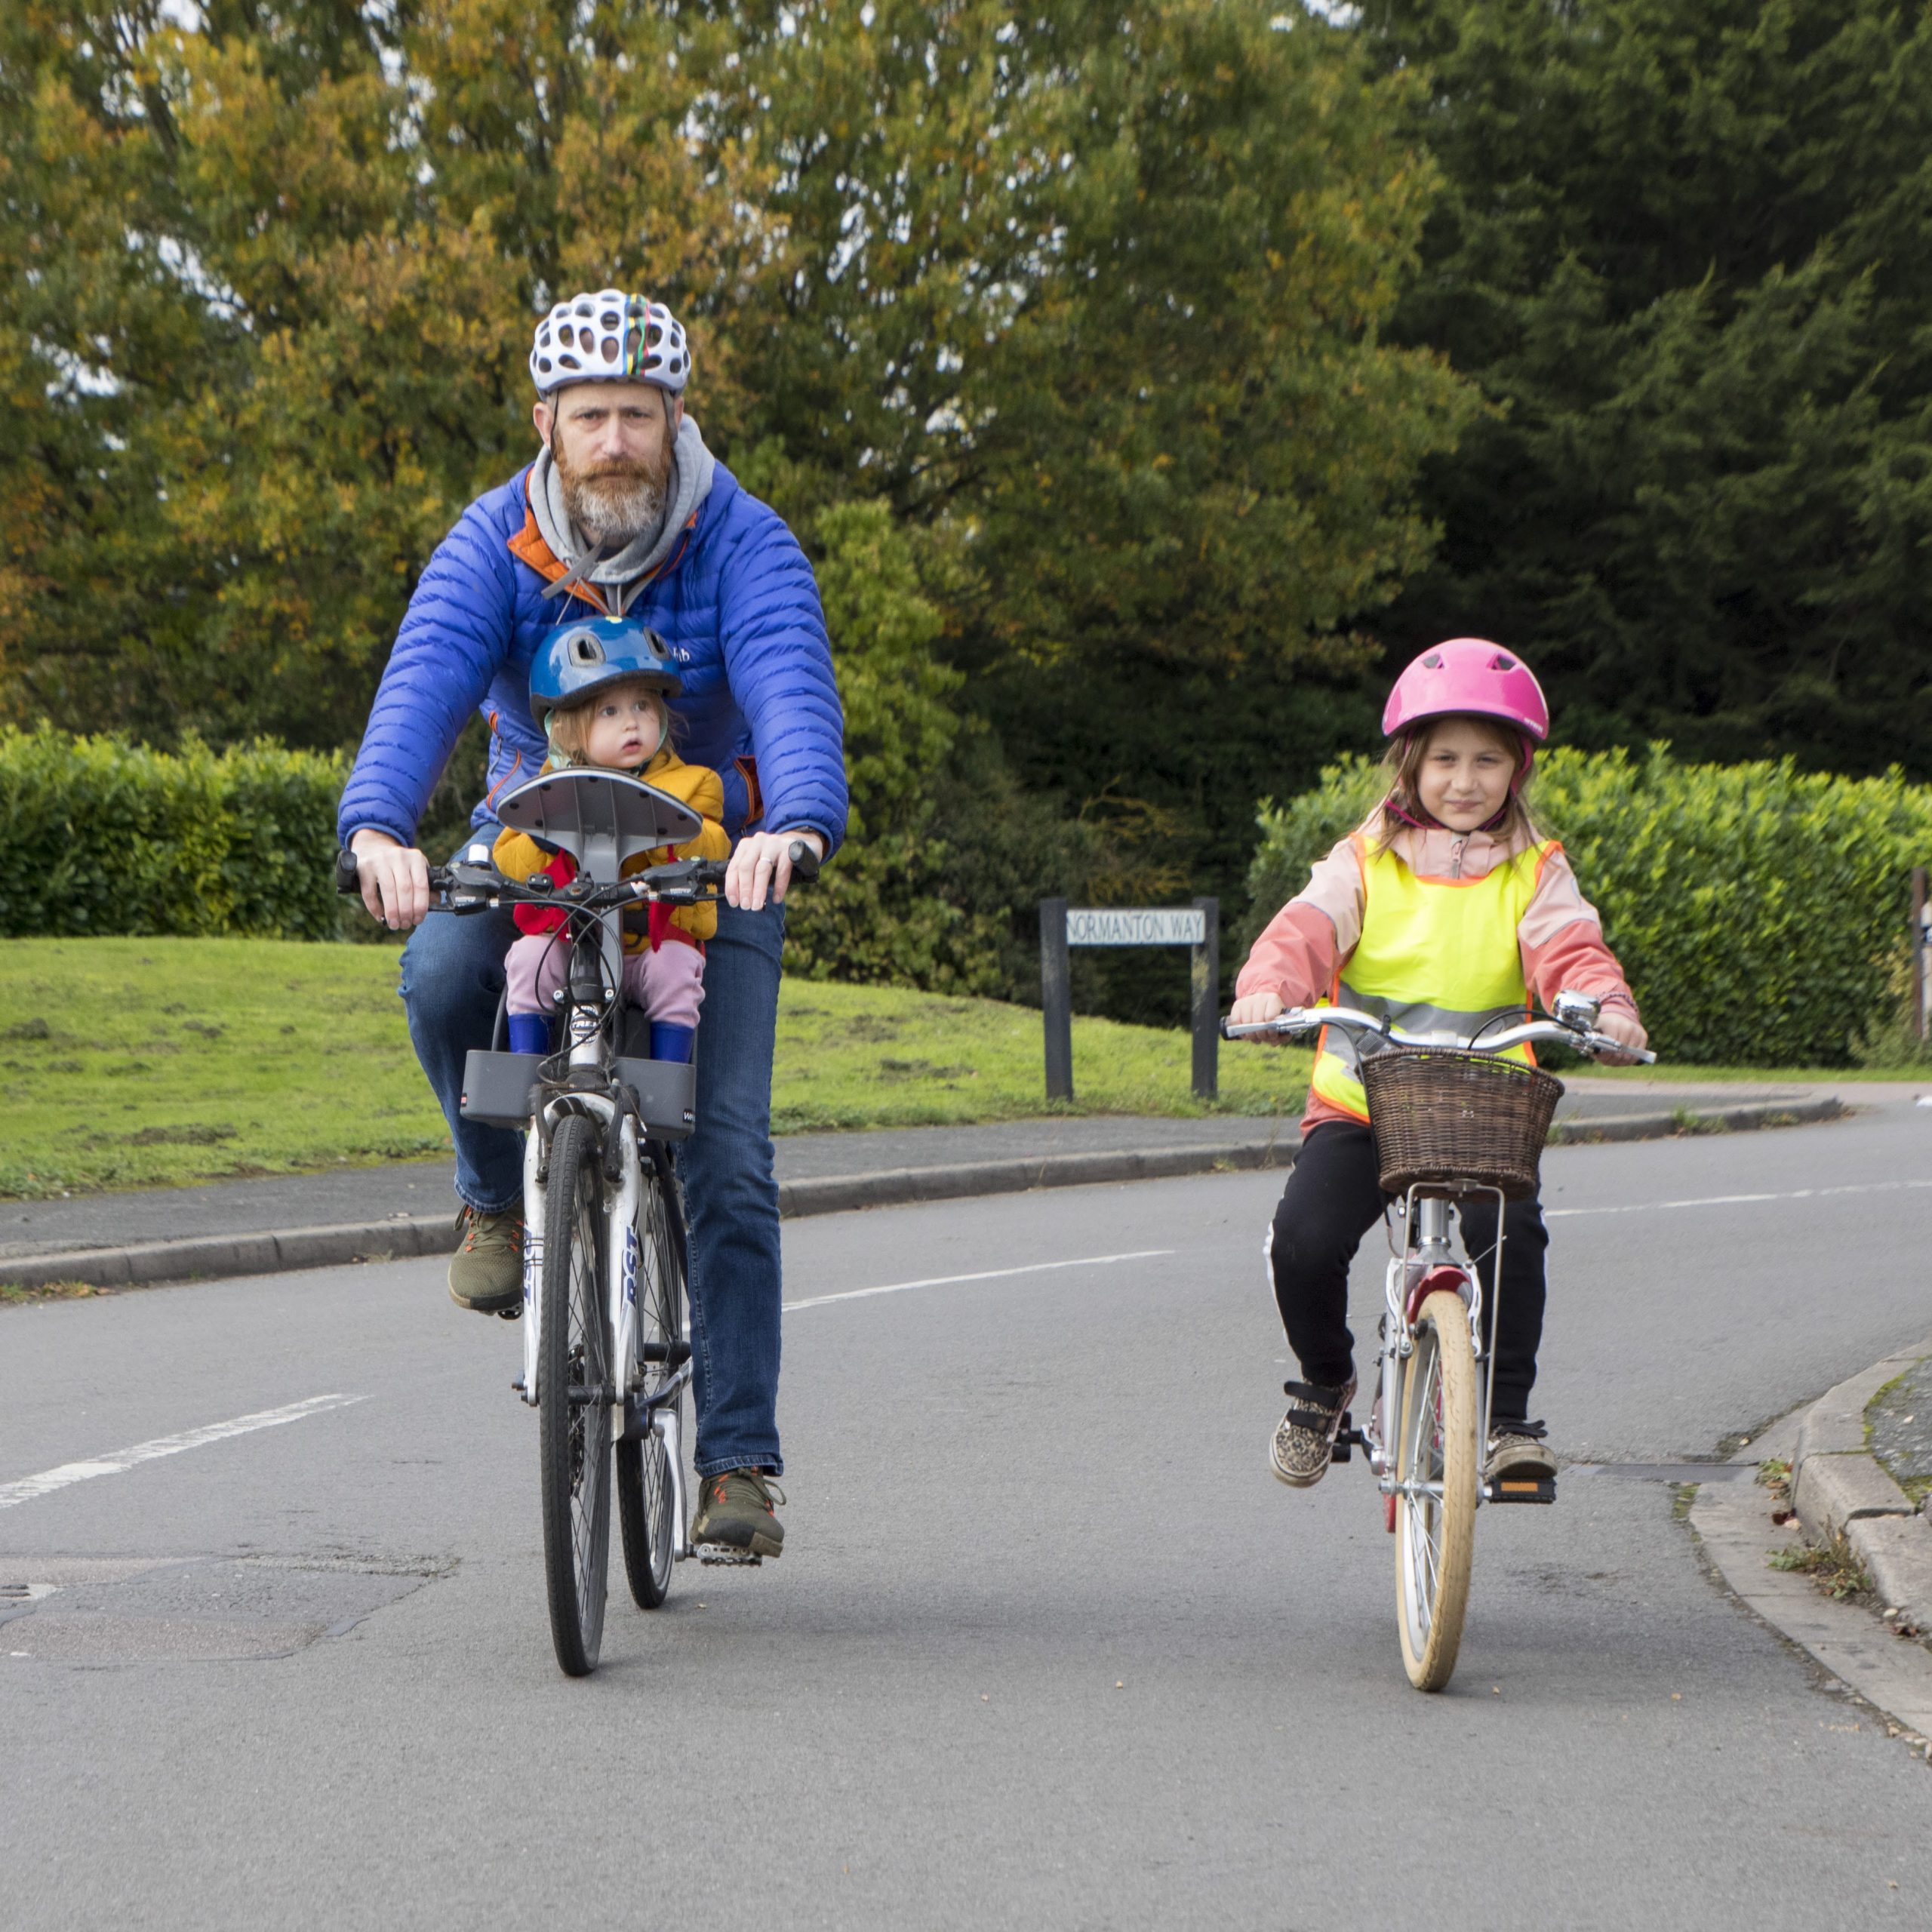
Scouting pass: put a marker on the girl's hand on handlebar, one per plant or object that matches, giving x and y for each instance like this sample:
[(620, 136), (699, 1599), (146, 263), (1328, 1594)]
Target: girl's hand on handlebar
[(1621, 1027), (1256, 1010), (395, 879), (761, 868)]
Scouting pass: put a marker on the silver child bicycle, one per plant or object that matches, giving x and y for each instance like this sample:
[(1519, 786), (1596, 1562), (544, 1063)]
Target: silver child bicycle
[(606, 1353), (1450, 1120)]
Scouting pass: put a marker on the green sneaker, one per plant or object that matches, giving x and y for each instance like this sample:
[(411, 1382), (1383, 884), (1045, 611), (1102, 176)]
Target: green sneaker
[(736, 1523), (486, 1271)]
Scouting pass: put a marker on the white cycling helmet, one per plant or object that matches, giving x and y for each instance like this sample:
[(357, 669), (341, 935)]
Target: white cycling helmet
[(609, 337)]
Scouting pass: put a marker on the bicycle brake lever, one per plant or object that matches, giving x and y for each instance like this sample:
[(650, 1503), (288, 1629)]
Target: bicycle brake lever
[(1595, 1044)]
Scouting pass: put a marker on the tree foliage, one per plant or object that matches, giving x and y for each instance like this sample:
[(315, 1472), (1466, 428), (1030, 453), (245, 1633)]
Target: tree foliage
[(1688, 253), (1091, 296)]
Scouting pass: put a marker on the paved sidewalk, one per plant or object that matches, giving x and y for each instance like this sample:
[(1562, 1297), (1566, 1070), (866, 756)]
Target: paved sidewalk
[(1844, 1451), (424, 1189), (310, 1220)]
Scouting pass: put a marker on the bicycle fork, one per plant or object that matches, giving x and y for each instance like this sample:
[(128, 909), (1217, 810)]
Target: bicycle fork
[(1427, 1253)]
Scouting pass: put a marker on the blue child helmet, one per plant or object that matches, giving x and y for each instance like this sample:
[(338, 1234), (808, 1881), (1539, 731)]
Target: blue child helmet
[(583, 656)]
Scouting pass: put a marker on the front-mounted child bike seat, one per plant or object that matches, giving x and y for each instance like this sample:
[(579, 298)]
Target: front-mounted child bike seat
[(600, 818)]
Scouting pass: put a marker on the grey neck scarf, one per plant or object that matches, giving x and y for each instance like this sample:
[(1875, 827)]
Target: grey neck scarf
[(693, 467)]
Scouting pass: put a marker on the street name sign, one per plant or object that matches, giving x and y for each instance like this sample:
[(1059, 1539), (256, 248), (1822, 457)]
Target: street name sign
[(1137, 925), (1198, 926)]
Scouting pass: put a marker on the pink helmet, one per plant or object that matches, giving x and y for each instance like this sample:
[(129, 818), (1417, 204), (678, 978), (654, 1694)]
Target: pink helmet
[(1467, 677)]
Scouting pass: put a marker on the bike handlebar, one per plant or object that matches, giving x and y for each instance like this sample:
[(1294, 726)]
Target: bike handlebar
[(465, 886), (1303, 1019)]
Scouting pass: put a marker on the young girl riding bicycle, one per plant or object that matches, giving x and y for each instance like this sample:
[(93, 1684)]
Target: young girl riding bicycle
[(1446, 908)]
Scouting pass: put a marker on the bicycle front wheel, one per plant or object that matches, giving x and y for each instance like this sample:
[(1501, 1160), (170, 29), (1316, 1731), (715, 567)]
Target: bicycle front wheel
[(574, 1398), (647, 1491), (1436, 1504)]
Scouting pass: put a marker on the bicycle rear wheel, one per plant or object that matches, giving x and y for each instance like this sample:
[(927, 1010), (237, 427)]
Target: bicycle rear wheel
[(647, 1491), (1435, 1525), (574, 1398)]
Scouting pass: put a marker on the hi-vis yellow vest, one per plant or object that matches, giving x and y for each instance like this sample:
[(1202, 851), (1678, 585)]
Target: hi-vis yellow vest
[(1435, 955)]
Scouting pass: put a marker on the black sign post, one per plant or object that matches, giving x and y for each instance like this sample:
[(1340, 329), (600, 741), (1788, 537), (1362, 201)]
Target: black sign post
[(1056, 999), (1921, 949), (1204, 966), (1198, 926)]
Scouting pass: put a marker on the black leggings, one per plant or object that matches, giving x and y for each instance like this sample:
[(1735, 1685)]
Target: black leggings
[(1334, 1197)]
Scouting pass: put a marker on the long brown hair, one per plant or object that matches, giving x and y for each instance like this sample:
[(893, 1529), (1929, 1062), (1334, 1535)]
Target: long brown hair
[(1403, 762)]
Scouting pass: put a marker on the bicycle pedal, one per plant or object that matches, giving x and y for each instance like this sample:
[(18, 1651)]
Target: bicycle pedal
[(726, 1556), (1520, 1489), (1343, 1448)]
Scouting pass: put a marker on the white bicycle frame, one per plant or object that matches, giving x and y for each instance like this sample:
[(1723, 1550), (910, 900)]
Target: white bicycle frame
[(625, 1250), (1427, 1252)]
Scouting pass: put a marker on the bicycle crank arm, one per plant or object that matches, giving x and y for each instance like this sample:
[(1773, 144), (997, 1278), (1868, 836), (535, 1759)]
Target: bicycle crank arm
[(638, 1410)]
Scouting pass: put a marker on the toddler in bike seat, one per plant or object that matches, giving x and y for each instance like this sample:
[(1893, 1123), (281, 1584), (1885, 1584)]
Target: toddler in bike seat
[(1445, 910), (599, 687)]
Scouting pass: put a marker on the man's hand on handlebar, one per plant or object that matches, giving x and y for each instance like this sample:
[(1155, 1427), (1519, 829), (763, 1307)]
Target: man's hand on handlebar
[(761, 866), (1256, 1010), (395, 879)]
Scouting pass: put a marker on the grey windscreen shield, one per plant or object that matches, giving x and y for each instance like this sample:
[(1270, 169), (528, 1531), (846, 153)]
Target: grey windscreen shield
[(600, 818)]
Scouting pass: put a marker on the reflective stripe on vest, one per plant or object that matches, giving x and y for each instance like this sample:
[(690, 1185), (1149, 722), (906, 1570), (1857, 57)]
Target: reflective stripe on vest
[(1435, 955)]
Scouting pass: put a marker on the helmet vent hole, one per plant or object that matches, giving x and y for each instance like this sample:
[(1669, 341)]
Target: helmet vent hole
[(609, 351), (1433, 661)]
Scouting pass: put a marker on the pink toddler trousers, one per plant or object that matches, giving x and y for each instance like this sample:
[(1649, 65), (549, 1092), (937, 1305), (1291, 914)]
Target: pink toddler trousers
[(668, 984)]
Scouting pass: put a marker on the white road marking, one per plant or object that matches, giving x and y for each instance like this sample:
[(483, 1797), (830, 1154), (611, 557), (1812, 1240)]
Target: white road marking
[(1743, 1200), (985, 1275), (28, 1488)]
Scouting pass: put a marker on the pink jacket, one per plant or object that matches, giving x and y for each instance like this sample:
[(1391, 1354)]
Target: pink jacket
[(1300, 956)]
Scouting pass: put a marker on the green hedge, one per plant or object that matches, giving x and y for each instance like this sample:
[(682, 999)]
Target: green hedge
[(107, 836), (1758, 911)]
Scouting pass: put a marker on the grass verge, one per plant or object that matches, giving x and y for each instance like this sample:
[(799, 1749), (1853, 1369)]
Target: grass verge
[(133, 1063)]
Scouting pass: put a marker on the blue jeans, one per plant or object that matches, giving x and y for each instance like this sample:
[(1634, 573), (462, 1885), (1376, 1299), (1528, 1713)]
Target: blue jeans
[(452, 975)]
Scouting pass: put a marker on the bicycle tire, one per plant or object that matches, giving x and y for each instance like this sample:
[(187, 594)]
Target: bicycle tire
[(647, 1493), (574, 1434), (1435, 1537)]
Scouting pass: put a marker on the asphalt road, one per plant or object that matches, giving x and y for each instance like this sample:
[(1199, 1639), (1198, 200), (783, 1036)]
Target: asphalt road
[(1050, 1648)]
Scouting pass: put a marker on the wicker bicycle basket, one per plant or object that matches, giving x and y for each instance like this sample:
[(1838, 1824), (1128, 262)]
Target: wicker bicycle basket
[(1448, 1120)]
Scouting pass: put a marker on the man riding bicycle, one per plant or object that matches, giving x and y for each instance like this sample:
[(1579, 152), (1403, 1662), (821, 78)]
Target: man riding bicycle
[(624, 513)]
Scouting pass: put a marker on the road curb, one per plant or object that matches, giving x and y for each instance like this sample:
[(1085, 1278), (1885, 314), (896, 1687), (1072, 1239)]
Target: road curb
[(898, 1187), (271, 1251), (1741, 1118), (1737, 1525), (1843, 1494)]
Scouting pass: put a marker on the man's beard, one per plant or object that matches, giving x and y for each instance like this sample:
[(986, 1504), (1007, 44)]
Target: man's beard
[(614, 501)]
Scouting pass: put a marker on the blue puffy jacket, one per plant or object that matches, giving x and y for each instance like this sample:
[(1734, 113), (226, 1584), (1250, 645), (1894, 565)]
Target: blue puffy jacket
[(737, 604)]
